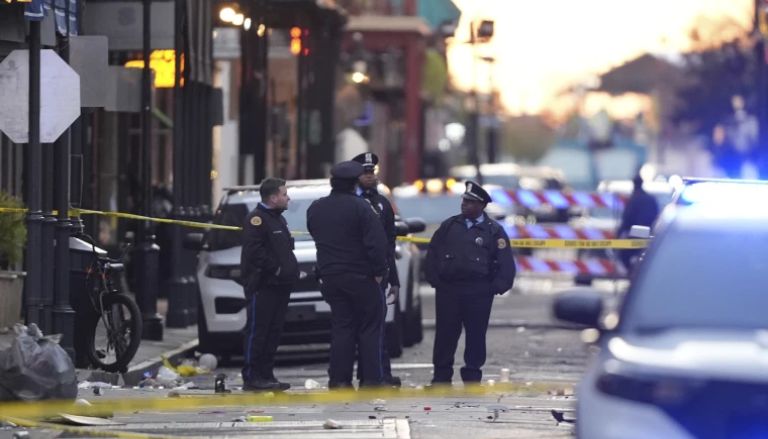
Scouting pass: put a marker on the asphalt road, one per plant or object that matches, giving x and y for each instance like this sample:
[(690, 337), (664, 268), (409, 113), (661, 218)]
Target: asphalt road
[(545, 361)]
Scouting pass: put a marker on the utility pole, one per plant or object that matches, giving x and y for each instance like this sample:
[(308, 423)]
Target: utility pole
[(33, 187), (146, 253)]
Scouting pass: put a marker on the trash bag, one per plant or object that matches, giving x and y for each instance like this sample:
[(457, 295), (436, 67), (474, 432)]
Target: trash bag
[(34, 367)]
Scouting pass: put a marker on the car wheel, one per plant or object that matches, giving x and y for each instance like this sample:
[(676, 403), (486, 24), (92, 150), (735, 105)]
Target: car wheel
[(393, 335)]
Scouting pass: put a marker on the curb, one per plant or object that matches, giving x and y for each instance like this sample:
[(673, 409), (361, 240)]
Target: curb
[(136, 372), (501, 323)]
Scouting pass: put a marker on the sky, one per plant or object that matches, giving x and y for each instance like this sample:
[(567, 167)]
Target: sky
[(542, 47)]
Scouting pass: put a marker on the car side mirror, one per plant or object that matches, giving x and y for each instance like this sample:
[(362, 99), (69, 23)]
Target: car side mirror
[(640, 232), (416, 225), (580, 305), (194, 241), (401, 228)]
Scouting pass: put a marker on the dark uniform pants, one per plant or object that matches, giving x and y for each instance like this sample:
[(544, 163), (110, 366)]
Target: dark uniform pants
[(357, 312), (266, 315), (454, 310), (386, 363)]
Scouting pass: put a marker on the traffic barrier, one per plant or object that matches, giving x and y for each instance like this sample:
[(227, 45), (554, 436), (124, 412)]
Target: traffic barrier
[(563, 200), (598, 267), (560, 231)]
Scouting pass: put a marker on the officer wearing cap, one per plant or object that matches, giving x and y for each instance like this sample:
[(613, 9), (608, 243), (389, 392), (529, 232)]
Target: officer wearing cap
[(367, 188), (352, 263), (468, 262)]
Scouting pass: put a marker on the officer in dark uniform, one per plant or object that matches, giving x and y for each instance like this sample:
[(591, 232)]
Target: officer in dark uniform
[(352, 263), (368, 183), (641, 209), (269, 272), (468, 261)]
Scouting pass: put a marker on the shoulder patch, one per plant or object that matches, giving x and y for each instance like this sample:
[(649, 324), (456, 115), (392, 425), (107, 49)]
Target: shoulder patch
[(256, 221), (502, 243)]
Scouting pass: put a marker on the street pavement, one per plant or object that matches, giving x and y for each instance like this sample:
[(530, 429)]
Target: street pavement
[(545, 359)]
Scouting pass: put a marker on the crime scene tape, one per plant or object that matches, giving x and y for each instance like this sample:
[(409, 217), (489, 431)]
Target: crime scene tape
[(563, 231), (85, 431), (591, 266), (519, 243), (190, 401)]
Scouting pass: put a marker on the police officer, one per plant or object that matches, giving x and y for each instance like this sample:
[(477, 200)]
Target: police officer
[(368, 183), (269, 271), (468, 261), (352, 263), (641, 209)]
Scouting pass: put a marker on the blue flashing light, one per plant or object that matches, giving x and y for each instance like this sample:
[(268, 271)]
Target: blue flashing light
[(720, 194)]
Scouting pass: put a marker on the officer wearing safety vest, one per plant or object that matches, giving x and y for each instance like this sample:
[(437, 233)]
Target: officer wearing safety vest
[(468, 262)]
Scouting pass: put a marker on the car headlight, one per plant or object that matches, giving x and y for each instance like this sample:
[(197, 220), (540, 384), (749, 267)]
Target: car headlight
[(618, 381), (231, 272)]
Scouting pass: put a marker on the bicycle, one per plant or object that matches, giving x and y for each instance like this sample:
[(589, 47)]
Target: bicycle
[(112, 323)]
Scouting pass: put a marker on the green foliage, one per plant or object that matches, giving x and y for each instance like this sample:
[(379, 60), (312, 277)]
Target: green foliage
[(13, 231)]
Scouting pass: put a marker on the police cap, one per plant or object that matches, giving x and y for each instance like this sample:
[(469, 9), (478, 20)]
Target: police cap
[(476, 192), (347, 170), (369, 160)]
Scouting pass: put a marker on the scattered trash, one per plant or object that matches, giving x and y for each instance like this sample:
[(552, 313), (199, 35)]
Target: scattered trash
[(7, 424), (239, 419), (85, 385), (85, 420), (220, 384), (167, 374), (378, 402), (83, 402), (208, 362), (258, 418), (559, 349), (35, 367), (311, 384), (380, 408), (560, 417), (504, 376), (491, 382), (21, 435), (97, 391), (520, 329), (174, 394), (330, 424), (427, 408), (371, 417)]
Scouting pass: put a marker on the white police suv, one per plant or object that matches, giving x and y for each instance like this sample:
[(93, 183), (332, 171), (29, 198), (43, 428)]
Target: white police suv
[(686, 356), (222, 313)]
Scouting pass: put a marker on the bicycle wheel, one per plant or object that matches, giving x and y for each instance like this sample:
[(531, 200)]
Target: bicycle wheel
[(117, 334)]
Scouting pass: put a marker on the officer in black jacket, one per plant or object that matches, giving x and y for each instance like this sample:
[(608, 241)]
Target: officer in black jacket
[(468, 261), (368, 183), (352, 263), (269, 271)]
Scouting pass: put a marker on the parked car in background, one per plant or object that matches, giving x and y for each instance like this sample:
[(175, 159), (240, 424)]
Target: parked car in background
[(222, 313), (685, 355)]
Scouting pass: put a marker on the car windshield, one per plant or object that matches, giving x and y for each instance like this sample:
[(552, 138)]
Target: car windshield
[(433, 209), (234, 214), (505, 181), (708, 277)]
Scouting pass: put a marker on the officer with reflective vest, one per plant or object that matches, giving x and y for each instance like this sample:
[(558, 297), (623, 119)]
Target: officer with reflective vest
[(352, 263), (367, 188), (468, 262)]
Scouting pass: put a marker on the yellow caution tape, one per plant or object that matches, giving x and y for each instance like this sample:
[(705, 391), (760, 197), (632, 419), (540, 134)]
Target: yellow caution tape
[(187, 402), (558, 243), (519, 243)]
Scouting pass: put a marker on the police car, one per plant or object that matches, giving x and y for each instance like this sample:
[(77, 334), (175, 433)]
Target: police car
[(222, 313), (687, 354)]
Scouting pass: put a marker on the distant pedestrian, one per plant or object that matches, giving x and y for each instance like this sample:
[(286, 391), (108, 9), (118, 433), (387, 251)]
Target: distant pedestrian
[(468, 262), (352, 264), (641, 209), (390, 286), (269, 272)]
